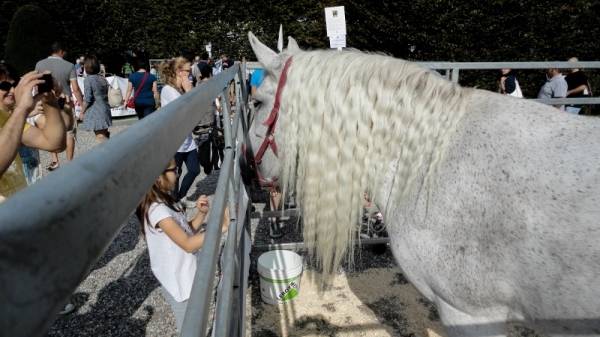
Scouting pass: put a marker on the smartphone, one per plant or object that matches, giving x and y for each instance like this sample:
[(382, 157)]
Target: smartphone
[(48, 84), (61, 102)]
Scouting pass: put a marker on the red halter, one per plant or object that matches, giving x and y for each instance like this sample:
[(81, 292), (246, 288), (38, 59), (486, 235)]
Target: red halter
[(270, 123)]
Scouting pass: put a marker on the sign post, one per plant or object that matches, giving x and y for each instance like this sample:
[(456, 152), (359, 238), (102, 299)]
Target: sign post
[(209, 49), (335, 19), (280, 39)]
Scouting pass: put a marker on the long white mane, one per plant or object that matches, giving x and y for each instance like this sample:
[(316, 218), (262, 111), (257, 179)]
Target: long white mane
[(347, 119)]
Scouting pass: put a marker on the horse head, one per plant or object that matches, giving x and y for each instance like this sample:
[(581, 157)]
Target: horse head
[(264, 143)]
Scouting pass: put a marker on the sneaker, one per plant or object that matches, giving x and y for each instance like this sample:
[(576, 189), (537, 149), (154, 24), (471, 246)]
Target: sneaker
[(53, 166), (188, 203), (69, 308)]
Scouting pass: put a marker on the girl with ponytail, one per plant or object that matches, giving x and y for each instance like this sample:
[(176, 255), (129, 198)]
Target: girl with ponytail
[(172, 240)]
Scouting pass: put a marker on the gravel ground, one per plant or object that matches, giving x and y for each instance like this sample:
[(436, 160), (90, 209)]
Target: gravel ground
[(121, 297)]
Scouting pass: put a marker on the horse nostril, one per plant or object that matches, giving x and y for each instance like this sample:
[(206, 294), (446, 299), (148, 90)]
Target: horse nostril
[(247, 170)]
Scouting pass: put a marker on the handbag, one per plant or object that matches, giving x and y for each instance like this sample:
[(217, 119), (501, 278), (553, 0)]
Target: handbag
[(115, 97), (589, 109), (131, 101)]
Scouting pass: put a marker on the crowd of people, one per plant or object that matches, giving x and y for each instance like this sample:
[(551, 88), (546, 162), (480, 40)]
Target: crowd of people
[(573, 85), (89, 109), (43, 109)]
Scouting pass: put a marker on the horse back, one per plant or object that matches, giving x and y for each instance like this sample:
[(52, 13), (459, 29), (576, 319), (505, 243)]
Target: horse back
[(511, 219)]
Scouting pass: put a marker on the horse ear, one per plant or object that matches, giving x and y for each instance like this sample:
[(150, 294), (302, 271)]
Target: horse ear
[(292, 46), (263, 53)]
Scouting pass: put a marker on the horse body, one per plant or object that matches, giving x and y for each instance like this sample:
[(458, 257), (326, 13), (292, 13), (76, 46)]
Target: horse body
[(491, 201), (508, 230)]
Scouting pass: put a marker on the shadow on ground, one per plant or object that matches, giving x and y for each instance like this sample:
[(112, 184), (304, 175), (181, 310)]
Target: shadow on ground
[(124, 242), (117, 302)]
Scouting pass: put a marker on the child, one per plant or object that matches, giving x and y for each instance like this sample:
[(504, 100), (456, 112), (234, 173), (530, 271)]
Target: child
[(172, 240)]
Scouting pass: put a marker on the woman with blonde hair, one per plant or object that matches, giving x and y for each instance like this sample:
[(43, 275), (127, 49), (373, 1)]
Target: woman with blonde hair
[(175, 73)]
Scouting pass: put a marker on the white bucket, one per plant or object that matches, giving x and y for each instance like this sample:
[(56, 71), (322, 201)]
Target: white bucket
[(280, 272)]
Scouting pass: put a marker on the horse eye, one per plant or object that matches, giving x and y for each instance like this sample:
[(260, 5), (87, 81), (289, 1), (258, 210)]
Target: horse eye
[(257, 104)]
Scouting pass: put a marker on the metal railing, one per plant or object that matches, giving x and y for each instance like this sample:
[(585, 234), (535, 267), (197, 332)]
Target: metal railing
[(452, 72), (53, 232), (229, 310)]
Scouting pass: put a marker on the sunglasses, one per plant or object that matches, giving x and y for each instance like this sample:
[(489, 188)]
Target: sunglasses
[(6, 86), (171, 169)]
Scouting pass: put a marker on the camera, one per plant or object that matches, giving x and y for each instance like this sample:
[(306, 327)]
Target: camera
[(61, 102), (48, 84)]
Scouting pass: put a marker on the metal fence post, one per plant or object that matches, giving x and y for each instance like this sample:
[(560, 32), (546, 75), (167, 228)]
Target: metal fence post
[(454, 75)]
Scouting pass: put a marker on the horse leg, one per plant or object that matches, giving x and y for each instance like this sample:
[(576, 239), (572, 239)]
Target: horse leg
[(275, 223), (460, 324)]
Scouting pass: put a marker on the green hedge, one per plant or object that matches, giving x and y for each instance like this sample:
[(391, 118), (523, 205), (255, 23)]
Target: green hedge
[(29, 38), (440, 30)]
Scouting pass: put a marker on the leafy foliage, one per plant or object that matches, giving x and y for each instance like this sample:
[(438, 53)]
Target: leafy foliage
[(442, 30), (29, 38)]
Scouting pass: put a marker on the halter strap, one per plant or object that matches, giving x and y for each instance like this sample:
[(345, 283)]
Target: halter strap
[(271, 121)]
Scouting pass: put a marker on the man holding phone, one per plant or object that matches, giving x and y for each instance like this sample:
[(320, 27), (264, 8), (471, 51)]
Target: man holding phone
[(14, 131), (65, 76)]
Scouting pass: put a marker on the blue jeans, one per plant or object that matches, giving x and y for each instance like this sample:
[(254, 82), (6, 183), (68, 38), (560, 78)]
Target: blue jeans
[(193, 170), (179, 308), (31, 161), (143, 110)]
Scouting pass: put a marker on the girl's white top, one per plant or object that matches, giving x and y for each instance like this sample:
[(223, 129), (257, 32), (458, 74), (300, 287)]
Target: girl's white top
[(167, 95), (173, 267)]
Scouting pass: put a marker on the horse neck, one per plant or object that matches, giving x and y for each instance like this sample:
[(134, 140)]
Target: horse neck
[(371, 129), (404, 117)]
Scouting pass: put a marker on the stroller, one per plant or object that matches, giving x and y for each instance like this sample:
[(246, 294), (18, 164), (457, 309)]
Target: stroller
[(211, 143)]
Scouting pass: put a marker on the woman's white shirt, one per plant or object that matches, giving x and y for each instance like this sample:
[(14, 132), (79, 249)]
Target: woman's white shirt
[(173, 267), (167, 95)]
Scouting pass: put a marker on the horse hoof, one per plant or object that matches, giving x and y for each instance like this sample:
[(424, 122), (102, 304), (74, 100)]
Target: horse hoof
[(275, 231), (379, 249)]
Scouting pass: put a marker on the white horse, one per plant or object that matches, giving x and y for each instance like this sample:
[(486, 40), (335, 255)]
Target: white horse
[(492, 202)]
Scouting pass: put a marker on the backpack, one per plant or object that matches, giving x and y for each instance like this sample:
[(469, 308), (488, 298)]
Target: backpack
[(115, 97)]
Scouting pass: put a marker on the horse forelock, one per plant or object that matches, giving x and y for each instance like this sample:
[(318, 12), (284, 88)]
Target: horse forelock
[(347, 119)]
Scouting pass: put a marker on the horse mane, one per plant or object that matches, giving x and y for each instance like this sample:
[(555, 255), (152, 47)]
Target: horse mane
[(347, 119)]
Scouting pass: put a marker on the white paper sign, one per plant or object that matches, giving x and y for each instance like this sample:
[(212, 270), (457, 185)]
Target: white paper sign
[(209, 49), (335, 19), (338, 41)]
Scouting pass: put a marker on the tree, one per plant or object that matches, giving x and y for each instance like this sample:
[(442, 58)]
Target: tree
[(29, 38), (427, 30)]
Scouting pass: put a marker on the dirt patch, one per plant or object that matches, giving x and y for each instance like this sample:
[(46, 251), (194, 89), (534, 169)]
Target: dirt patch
[(372, 298), (354, 305)]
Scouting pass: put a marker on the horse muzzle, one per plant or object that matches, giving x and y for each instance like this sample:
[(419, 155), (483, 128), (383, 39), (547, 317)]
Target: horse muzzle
[(248, 169)]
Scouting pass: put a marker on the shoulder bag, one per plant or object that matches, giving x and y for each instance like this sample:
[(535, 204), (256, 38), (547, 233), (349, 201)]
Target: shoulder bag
[(131, 101)]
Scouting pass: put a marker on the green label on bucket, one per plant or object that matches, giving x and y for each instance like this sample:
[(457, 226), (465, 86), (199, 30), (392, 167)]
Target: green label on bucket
[(290, 292), (290, 295), (287, 280)]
